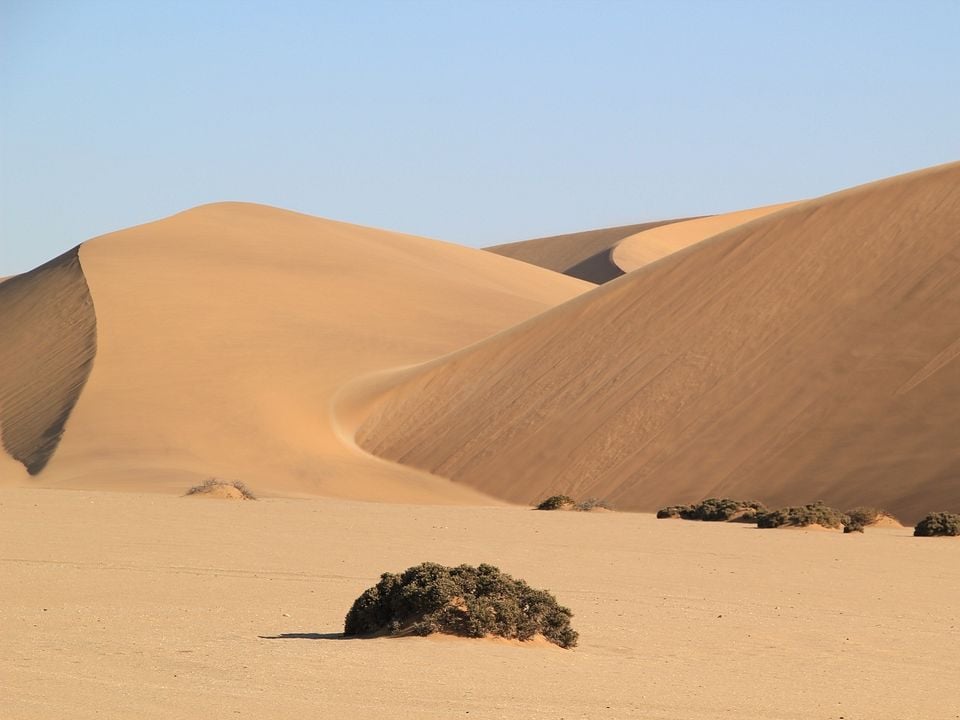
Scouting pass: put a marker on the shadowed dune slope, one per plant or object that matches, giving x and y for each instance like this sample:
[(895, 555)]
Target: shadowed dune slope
[(809, 355), (227, 334), (585, 255), (48, 339)]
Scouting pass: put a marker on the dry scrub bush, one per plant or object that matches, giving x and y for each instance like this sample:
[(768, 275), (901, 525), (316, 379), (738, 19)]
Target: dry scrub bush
[(465, 600), (212, 484), (938, 523), (715, 510)]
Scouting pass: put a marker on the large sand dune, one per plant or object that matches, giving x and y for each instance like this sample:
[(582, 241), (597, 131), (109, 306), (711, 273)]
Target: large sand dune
[(225, 335), (808, 355)]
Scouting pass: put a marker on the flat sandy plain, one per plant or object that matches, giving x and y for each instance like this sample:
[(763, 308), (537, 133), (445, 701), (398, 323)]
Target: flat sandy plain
[(133, 605)]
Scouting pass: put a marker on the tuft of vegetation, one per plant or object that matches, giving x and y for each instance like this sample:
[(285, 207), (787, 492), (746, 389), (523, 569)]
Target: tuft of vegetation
[(715, 510), (853, 526), (557, 502), (211, 484), (674, 511), (865, 516), (803, 515), (467, 601), (593, 504), (938, 523)]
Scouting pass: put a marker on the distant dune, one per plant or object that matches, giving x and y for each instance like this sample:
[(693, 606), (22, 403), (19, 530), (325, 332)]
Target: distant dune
[(585, 255), (219, 341), (600, 256), (649, 245), (810, 354)]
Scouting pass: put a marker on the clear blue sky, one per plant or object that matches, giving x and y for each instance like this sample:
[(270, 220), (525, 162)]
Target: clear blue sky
[(473, 122)]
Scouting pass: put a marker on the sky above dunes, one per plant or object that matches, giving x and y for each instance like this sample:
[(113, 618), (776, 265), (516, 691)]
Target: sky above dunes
[(478, 123)]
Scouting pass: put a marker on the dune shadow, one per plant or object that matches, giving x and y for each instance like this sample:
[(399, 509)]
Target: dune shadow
[(306, 636)]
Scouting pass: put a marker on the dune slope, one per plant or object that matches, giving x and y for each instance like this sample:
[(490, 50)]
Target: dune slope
[(809, 355), (586, 255), (227, 334), (49, 337), (651, 244)]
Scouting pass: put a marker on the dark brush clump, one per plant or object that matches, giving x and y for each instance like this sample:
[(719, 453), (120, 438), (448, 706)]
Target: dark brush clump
[(715, 510), (803, 515), (557, 502), (467, 601), (938, 523)]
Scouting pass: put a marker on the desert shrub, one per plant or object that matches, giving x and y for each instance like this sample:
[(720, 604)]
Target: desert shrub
[(594, 504), (465, 600), (211, 484), (853, 526), (557, 502), (674, 511), (715, 510), (801, 516), (865, 515), (938, 523)]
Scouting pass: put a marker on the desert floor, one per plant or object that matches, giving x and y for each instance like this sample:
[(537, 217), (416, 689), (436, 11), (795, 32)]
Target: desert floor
[(155, 606)]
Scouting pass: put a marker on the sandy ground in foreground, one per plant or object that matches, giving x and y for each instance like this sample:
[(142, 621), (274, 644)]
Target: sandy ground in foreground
[(153, 606)]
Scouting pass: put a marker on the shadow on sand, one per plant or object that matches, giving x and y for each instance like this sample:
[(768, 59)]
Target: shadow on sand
[(307, 636)]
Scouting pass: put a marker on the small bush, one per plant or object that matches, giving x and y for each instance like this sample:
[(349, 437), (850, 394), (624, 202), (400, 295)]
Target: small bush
[(853, 526), (465, 600), (865, 515), (715, 510), (938, 523), (593, 504), (211, 484), (557, 502), (803, 515)]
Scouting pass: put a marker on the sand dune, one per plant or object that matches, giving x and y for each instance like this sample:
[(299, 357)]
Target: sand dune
[(647, 246), (809, 355), (600, 256), (585, 255), (226, 334)]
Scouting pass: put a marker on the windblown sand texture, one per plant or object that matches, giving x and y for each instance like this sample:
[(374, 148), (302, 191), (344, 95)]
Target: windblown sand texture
[(48, 338), (811, 354)]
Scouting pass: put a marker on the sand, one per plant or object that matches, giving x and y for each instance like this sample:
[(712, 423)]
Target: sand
[(808, 355), (650, 245), (785, 354), (227, 335), (154, 606), (587, 255)]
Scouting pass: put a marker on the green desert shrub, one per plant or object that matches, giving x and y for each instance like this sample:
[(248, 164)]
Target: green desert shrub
[(212, 484), (803, 515), (465, 600), (938, 523), (715, 510), (557, 502)]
